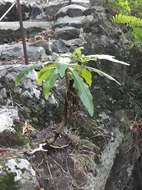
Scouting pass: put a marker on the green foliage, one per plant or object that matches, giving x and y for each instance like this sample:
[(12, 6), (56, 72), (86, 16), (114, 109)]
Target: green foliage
[(86, 75), (128, 7), (83, 92), (123, 6), (49, 82), (130, 13), (137, 34), (71, 67), (7, 182), (23, 73), (125, 19)]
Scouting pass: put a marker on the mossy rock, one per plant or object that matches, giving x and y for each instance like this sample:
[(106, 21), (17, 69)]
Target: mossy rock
[(7, 182)]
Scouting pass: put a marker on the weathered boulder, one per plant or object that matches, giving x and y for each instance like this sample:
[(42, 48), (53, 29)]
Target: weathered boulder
[(69, 21), (59, 46), (14, 51), (103, 37), (72, 10), (11, 127), (16, 173), (50, 46), (67, 33), (54, 6), (28, 97), (7, 118), (9, 31)]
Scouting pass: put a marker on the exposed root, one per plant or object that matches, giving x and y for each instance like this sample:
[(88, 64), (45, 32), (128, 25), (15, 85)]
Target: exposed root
[(45, 148)]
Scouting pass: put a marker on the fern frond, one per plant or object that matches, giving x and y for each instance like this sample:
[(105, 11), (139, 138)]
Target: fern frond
[(130, 20)]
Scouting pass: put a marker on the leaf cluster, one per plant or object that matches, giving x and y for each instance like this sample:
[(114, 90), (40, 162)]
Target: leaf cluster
[(71, 67), (130, 12), (125, 19)]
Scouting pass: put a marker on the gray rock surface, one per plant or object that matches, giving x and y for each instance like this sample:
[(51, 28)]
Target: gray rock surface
[(15, 51), (22, 174), (14, 26), (27, 97), (7, 118), (69, 21), (72, 10), (107, 160), (67, 33), (102, 36)]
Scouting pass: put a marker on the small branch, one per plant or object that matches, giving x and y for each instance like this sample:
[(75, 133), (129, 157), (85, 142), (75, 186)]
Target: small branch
[(42, 147), (47, 164), (59, 165), (19, 9)]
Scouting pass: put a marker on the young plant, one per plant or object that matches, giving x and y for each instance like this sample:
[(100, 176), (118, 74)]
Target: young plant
[(77, 74)]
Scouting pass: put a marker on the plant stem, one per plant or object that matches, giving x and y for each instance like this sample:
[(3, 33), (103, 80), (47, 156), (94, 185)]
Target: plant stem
[(65, 116), (19, 9)]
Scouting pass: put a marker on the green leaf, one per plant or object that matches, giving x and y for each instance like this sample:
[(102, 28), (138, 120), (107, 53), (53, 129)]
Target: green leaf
[(91, 58), (49, 83), (108, 58), (133, 21), (123, 6), (24, 73), (45, 72), (101, 73), (83, 92), (87, 76), (62, 69), (77, 53), (62, 65)]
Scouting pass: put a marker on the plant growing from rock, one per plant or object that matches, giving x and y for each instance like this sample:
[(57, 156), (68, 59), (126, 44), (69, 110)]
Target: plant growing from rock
[(78, 76)]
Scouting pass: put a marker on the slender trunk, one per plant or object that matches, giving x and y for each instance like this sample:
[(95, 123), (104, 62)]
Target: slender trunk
[(19, 10), (64, 121)]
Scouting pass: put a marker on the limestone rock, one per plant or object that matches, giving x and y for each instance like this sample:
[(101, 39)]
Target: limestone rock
[(67, 33), (72, 10), (7, 118), (17, 173), (28, 96), (15, 51), (69, 21)]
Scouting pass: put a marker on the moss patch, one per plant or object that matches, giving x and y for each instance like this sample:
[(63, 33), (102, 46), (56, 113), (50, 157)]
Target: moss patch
[(7, 182)]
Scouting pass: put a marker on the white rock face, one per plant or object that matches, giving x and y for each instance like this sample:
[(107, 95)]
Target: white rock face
[(7, 117), (106, 162), (21, 167), (25, 175), (14, 51)]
